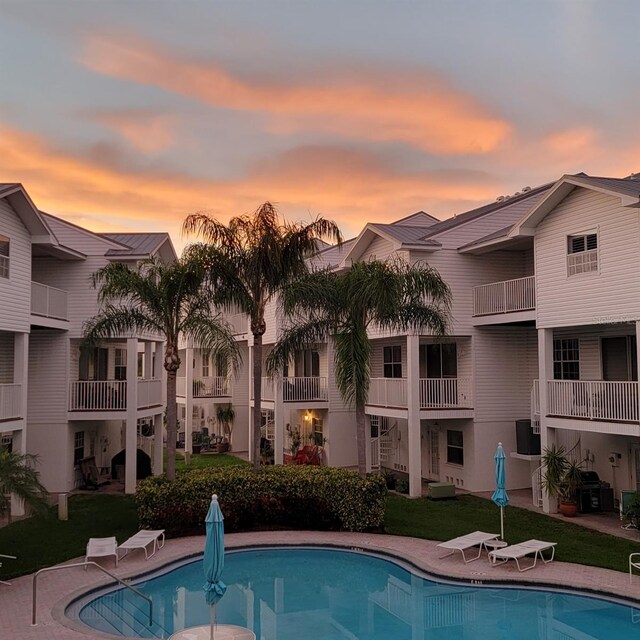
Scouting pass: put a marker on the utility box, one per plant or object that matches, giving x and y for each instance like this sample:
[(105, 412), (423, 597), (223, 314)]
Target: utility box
[(527, 442), (441, 490)]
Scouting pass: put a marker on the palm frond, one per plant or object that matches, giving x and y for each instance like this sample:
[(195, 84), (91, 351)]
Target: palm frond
[(117, 322), (19, 477), (352, 362)]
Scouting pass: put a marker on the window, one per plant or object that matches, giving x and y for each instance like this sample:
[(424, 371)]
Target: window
[(6, 442), (317, 427), (392, 361), (582, 253), (120, 369), (221, 366), (78, 447), (4, 256), (566, 359), (140, 365), (455, 447), (441, 360), (206, 359), (307, 364)]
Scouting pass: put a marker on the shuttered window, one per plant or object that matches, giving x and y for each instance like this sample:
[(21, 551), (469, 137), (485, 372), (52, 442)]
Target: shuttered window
[(582, 253), (4, 256)]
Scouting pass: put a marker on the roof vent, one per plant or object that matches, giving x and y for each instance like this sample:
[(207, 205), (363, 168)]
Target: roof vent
[(499, 198), (507, 197), (517, 193), (525, 189)]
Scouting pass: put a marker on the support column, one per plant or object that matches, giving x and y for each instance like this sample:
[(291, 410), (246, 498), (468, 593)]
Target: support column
[(21, 377), (545, 372), (188, 400), (159, 372), (251, 401), (413, 417), (158, 449), (278, 421), (367, 432), (131, 426)]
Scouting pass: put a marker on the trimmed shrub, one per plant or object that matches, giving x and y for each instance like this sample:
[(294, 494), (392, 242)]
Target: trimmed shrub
[(294, 497)]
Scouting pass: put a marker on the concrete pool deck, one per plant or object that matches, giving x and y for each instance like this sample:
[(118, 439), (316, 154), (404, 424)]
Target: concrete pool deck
[(55, 589)]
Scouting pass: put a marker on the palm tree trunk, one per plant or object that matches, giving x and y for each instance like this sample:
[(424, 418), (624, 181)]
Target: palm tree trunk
[(172, 424), (361, 439), (257, 398)]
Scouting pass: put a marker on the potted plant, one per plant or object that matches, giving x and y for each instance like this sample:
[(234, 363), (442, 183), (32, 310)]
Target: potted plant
[(197, 440), (295, 440), (561, 479), (225, 416)]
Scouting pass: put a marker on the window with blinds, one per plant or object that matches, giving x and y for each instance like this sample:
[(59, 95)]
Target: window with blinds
[(4, 256), (582, 253)]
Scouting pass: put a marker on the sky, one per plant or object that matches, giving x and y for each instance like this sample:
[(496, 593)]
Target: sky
[(129, 115)]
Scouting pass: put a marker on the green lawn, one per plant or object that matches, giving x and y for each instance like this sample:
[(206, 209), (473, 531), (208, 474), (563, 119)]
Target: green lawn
[(445, 519)]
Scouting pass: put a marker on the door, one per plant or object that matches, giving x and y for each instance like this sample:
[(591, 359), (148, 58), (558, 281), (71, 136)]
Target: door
[(619, 358)]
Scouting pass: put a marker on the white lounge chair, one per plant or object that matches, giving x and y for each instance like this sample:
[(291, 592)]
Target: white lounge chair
[(2, 555), (101, 548), (634, 563), (464, 543), (143, 540), (521, 550)]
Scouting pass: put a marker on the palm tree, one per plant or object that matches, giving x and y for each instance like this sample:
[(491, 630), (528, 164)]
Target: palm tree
[(172, 300), (391, 295), (251, 259), (18, 477)]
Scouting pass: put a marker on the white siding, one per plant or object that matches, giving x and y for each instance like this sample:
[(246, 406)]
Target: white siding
[(15, 291), (610, 295), (378, 249), (48, 377)]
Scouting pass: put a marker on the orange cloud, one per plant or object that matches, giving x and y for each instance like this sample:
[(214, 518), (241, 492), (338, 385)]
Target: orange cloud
[(351, 187), (144, 130), (422, 109)]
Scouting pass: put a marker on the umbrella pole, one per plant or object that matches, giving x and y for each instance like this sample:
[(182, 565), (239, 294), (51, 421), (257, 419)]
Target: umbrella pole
[(213, 619), (501, 525)]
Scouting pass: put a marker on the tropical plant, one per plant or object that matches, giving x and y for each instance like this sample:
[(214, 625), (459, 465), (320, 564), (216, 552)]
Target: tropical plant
[(561, 475), (19, 478), (225, 415), (392, 295), (170, 300), (250, 260), (295, 440)]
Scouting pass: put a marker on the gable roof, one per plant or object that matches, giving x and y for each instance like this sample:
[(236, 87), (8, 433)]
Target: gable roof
[(55, 221), (418, 219), (28, 213), (136, 243)]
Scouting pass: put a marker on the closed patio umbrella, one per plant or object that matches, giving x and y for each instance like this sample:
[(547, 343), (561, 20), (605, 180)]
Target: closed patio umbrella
[(213, 560), (500, 496)]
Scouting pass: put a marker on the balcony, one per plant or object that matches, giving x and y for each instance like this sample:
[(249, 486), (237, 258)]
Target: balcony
[(111, 395), (49, 302), (10, 401), (388, 392), (445, 393), (304, 389), (508, 296), (593, 400), (208, 387)]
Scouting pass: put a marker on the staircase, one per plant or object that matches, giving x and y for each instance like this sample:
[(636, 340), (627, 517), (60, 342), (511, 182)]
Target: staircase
[(536, 487), (383, 447)]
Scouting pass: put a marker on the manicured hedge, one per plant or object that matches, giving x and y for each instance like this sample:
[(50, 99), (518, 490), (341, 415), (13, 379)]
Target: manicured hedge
[(295, 497)]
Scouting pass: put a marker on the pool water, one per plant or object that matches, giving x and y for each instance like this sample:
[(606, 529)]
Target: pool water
[(326, 594)]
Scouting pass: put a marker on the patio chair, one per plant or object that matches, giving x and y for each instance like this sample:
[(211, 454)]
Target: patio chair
[(519, 551), (92, 477), (102, 548), (468, 541), (2, 555), (634, 563), (143, 540)]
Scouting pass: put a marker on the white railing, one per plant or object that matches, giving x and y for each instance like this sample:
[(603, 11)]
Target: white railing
[(388, 392), (239, 323), (535, 406), (149, 393), (10, 401), (536, 487), (48, 301), (593, 400), (303, 389), (505, 297), (211, 387), (438, 393), (375, 453), (98, 395)]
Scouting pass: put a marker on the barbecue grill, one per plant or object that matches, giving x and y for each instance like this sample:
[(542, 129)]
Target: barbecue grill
[(593, 493)]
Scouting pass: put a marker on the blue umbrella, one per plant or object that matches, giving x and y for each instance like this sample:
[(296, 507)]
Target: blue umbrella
[(500, 496), (213, 560)]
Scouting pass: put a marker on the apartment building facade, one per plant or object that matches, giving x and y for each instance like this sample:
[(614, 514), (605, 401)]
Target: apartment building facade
[(56, 401)]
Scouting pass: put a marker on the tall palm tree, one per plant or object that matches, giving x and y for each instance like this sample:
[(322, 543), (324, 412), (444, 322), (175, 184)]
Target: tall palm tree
[(171, 300), (392, 295), (19, 478), (250, 260)]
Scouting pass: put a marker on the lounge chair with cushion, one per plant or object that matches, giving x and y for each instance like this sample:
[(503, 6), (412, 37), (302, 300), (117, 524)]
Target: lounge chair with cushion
[(102, 548), (518, 551), (634, 563), (144, 539), (2, 555), (468, 541)]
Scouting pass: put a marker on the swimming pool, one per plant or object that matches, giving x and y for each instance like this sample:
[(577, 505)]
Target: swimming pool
[(330, 594)]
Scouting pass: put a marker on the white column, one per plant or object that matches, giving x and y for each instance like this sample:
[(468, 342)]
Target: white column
[(148, 350), (251, 425), (278, 421), (158, 449), (188, 399), (545, 373), (131, 428), (159, 372), (20, 376), (367, 437), (413, 417)]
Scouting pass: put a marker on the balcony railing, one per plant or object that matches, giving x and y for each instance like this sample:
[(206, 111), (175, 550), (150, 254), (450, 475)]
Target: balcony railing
[(388, 392), (267, 389), (443, 393), (593, 400), (505, 297), (10, 401), (149, 393), (48, 302), (303, 389), (98, 395)]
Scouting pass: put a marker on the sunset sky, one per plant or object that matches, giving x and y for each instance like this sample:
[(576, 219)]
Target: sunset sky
[(129, 115)]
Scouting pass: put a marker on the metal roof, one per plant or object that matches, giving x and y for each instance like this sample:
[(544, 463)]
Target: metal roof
[(138, 243)]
